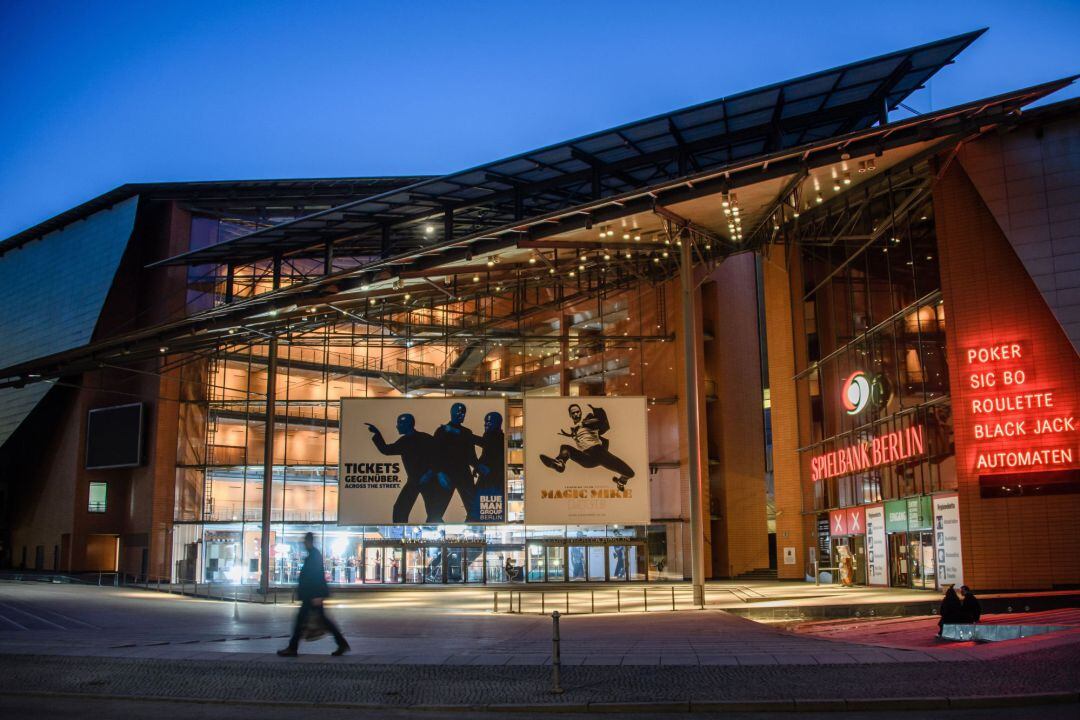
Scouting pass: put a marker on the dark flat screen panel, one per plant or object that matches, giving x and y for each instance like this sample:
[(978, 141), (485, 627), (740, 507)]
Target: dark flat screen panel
[(114, 437)]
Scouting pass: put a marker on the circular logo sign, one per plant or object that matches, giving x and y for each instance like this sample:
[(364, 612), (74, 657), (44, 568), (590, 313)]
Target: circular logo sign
[(855, 393)]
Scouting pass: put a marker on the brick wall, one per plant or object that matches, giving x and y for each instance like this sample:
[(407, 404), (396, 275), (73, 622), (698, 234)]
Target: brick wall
[(736, 434), (990, 298), (783, 322)]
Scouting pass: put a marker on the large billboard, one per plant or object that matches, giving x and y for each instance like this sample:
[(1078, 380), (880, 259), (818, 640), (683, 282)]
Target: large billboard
[(586, 461), (422, 461)]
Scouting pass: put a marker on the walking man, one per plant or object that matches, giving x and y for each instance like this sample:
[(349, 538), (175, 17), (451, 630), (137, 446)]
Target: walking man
[(590, 448), (312, 590)]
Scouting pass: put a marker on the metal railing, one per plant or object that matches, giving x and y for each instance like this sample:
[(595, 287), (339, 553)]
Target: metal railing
[(588, 601)]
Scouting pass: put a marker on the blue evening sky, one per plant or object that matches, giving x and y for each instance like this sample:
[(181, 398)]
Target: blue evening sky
[(96, 94)]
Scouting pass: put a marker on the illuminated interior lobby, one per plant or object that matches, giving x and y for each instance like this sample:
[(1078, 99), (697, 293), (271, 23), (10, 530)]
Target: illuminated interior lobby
[(792, 276)]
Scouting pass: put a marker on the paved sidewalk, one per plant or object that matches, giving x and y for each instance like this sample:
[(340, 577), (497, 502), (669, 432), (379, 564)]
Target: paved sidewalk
[(103, 622)]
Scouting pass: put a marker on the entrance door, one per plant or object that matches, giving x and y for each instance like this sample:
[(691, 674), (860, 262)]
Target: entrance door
[(923, 570), (556, 563), (597, 567), (373, 564), (899, 560), (536, 566), (474, 564), (576, 563), (414, 565), (455, 563), (617, 559), (433, 564)]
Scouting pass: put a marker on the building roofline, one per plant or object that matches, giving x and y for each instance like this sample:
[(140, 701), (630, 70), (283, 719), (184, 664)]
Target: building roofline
[(182, 190)]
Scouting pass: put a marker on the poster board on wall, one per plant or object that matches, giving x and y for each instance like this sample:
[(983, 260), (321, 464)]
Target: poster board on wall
[(950, 558), (586, 461), (422, 461), (877, 561)]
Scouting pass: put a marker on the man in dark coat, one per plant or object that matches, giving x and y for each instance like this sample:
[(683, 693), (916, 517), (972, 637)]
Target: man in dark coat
[(970, 605), (951, 611), (415, 449), (312, 591)]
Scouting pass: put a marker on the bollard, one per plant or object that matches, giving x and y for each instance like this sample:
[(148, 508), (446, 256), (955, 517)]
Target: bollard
[(556, 662), (592, 600), (645, 598), (235, 607), (542, 596), (672, 597), (519, 602), (618, 600), (496, 608), (567, 602)]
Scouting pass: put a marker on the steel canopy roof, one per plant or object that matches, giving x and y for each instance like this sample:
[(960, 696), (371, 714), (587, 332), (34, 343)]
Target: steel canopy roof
[(612, 162)]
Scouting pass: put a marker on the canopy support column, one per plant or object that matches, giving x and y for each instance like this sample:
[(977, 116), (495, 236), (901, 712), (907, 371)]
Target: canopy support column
[(693, 418)]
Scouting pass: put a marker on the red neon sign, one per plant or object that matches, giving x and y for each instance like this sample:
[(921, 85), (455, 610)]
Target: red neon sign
[(886, 449), (1009, 437)]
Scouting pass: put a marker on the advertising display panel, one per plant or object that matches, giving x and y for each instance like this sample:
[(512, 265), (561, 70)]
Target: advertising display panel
[(950, 560), (877, 565), (422, 461), (586, 461)]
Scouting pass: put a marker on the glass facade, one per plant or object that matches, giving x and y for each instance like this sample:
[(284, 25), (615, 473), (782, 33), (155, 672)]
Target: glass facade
[(611, 336), (874, 319)]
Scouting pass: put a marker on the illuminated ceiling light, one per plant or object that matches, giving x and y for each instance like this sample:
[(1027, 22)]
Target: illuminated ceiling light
[(428, 229), (847, 178), (232, 331), (836, 187), (491, 262), (665, 253), (637, 238), (408, 296), (581, 268), (923, 217), (606, 256), (627, 256), (726, 211), (870, 165), (571, 273), (551, 271), (532, 261), (626, 236), (371, 301), (656, 259), (819, 199), (583, 258), (163, 349), (929, 257), (476, 278)]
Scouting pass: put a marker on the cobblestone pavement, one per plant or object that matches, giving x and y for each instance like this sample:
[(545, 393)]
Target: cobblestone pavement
[(318, 679), (63, 708)]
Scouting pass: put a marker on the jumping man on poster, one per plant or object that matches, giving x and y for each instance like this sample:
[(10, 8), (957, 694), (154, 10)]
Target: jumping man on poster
[(590, 448), (415, 449)]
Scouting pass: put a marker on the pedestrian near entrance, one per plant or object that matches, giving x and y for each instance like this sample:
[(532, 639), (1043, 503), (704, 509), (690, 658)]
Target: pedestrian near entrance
[(970, 605), (313, 591), (951, 611)]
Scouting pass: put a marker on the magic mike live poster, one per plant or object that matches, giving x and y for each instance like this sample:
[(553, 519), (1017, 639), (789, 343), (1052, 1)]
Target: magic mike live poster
[(422, 461), (586, 460)]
